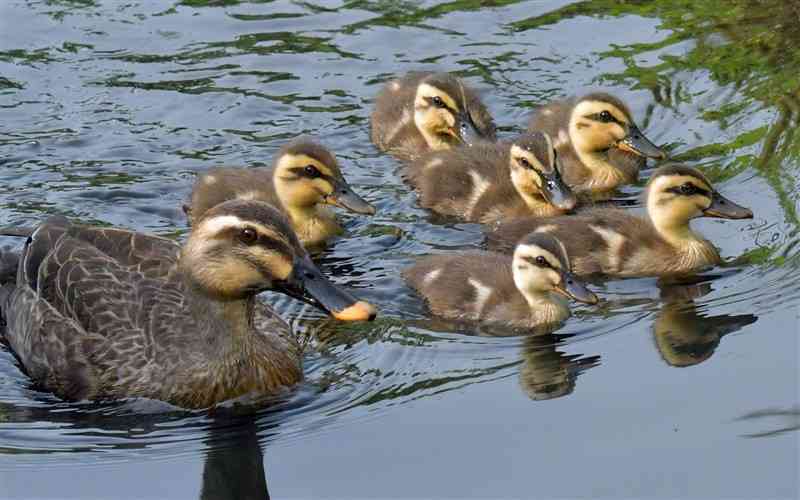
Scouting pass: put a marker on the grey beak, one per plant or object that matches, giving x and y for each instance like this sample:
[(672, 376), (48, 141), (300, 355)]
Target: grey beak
[(724, 208)]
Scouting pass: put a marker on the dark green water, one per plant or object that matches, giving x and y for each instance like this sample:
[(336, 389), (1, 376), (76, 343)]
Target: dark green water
[(108, 109)]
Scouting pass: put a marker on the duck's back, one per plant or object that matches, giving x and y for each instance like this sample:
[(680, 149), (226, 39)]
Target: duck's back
[(552, 118), (602, 240), (469, 287), (472, 183), (221, 184)]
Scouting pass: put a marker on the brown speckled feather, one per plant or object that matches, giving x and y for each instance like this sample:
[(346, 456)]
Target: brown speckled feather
[(638, 251), (477, 286), (102, 313), (472, 183), (395, 104)]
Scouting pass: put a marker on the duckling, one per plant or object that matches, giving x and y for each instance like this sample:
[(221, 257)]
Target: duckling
[(523, 291), (425, 111), (101, 313), (304, 177), (598, 142), (492, 181), (616, 243)]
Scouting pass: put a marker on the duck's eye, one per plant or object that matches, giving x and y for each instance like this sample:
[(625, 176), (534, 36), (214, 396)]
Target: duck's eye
[(524, 162), (248, 236), (688, 188), (541, 261), (605, 116), (311, 171), (437, 101)]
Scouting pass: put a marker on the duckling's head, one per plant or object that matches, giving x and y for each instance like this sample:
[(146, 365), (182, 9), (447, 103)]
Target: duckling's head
[(541, 265), (599, 122), (306, 174), (677, 194), (242, 247), (534, 172), (441, 112)]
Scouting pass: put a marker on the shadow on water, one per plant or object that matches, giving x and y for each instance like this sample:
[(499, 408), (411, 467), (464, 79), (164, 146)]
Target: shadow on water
[(112, 129)]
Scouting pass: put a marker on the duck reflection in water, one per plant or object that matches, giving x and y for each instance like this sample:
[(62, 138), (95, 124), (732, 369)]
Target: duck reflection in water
[(683, 335), (546, 372), (234, 464)]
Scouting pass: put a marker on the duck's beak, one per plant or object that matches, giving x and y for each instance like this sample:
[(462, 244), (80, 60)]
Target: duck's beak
[(343, 196), (308, 284), (575, 289), (556, 191), (724, 208), (467, 131), (635, 142)]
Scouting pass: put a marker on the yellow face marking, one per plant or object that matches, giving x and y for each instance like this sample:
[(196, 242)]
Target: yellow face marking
[(289, 161), (517, 153), (426, 91)]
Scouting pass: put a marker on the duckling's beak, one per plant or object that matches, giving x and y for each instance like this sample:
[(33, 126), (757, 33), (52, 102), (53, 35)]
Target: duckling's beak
[(343, 196), (467, 131), (635, 142), (308, 284), (556, 191), (724, 208), (575, 289)]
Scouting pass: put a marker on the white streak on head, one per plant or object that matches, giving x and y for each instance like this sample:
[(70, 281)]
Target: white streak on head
[(209, 179)]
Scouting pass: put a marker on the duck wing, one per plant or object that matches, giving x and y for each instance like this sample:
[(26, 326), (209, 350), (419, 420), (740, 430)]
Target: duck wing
[(83, 311)]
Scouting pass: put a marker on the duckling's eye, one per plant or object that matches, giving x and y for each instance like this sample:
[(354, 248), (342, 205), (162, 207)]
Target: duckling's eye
[(541, 261), (524, 162), (688, 189), (248, 236), (438, 102), (311, 171), (605, 116)]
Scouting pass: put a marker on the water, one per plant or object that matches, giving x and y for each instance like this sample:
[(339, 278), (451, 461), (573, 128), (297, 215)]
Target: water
[(108, 109)]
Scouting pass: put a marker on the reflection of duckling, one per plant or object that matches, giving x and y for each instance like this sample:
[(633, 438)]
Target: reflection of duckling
[(547, 373), (304, 177), (519, 291), (103, 313), (683, 336), (492, 181), (599, 145), (615, 242), (425, 111)]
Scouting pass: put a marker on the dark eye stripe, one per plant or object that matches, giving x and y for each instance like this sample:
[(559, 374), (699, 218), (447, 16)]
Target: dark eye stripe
[(445, 106), (301, 172), (533, 262), (697, 190)]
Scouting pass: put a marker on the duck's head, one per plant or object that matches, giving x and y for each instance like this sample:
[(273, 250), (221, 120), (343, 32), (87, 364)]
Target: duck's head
[(240, 248), (677, 194), (541, 265), (306, 174), (535, 173), (441, 112), (599, 122)]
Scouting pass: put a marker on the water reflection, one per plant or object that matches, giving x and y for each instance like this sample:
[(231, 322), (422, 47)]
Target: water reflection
[(683, 335), (234, 462), (546, 372)]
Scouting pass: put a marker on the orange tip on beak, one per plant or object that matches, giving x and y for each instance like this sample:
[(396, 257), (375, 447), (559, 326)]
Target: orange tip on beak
[(360, 311)]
